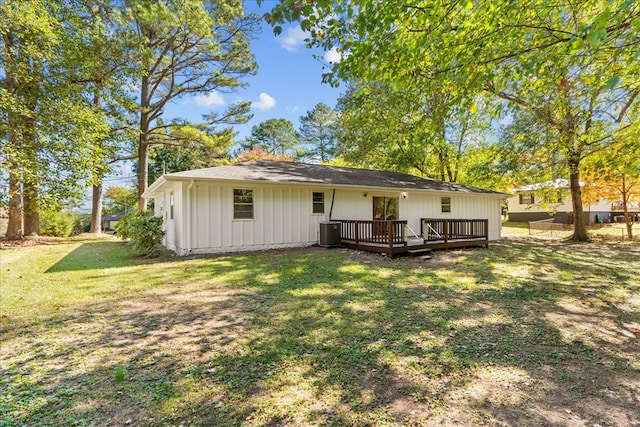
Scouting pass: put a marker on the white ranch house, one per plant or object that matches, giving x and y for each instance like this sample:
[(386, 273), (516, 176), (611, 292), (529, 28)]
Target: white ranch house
[(267, 204)]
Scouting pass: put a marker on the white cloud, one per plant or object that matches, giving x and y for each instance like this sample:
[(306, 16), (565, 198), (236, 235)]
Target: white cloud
[(293, 38), (213, 98), (265, 102), (333, 56)]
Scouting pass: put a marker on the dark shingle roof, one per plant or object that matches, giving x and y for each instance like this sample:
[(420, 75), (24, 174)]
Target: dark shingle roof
[(114, 217), (302, 173)]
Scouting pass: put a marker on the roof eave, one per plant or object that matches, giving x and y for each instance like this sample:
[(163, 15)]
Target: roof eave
[(183, 178), (155, 187)]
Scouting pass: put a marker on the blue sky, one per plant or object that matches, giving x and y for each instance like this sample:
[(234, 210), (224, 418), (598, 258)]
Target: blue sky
[(288, 83)]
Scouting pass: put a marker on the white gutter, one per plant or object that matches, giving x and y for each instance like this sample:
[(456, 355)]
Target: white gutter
[(188, 219)]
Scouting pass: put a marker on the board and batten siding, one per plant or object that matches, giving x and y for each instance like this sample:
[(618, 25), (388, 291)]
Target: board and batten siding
[(173, 228), (354, 205), (282, 216)]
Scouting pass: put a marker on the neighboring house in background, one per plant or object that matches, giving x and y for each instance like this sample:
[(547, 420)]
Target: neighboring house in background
[(548, 200), (109, 222), (270, 204)]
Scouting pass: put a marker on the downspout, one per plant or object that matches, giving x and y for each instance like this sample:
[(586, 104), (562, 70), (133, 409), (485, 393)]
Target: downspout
[(188, 222), (333, 197)]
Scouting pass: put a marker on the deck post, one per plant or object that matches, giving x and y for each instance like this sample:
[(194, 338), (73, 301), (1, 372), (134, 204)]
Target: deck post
[(357, 234), (446, 230), (486, 232), (390, 236)]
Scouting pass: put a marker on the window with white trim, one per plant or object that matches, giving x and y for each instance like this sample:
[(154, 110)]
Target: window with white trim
[(242, 203), (445, 204), (318, 202)]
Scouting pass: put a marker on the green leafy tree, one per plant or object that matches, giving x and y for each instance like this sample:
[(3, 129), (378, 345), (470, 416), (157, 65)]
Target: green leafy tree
[(318, 132), (102, 65), (275, 136), (187, 47), (49, 127), (406, 130), (57, 223), (527, 146), (572, 65), (144, 232), (104, 69), (183, 153), (82, 224), (489, 165), (120, 199)]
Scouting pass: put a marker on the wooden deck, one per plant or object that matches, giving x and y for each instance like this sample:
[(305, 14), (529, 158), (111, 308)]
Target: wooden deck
[(391, 237)]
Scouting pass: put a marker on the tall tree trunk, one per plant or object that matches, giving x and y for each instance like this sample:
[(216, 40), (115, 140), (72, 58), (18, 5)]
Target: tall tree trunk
[(14, 227), (96, 194), (96, 207), (31, 208), (143, 172), (569, 138), (579, 224), (628, 219), (441, 167), (143, 142), (30, 194)]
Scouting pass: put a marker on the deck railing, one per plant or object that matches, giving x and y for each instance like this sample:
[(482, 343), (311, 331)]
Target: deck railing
[(390, 237), (453, 229), (376, 231)]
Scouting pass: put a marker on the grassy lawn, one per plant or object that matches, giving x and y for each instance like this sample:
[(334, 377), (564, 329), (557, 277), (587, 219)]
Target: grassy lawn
[(611, 232), (526, 333)]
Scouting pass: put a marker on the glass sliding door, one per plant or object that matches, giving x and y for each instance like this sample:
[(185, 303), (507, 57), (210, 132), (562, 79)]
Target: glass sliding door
[(385, 208)]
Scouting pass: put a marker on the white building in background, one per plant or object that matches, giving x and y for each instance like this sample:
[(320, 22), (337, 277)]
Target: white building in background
[(548, 200)]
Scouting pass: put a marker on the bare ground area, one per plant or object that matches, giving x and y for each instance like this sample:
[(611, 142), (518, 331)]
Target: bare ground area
[(522, 334), (45, 240)]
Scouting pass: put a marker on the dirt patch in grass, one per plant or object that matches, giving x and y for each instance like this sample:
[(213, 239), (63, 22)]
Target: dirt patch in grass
[(523, 333), (47, 240), (30, 241)]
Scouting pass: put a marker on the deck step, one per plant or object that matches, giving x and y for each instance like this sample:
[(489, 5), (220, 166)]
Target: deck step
[(422, 251)]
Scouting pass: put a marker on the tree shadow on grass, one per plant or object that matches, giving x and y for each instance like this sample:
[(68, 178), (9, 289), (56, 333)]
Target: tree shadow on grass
[(98, 255), (339, 338)]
